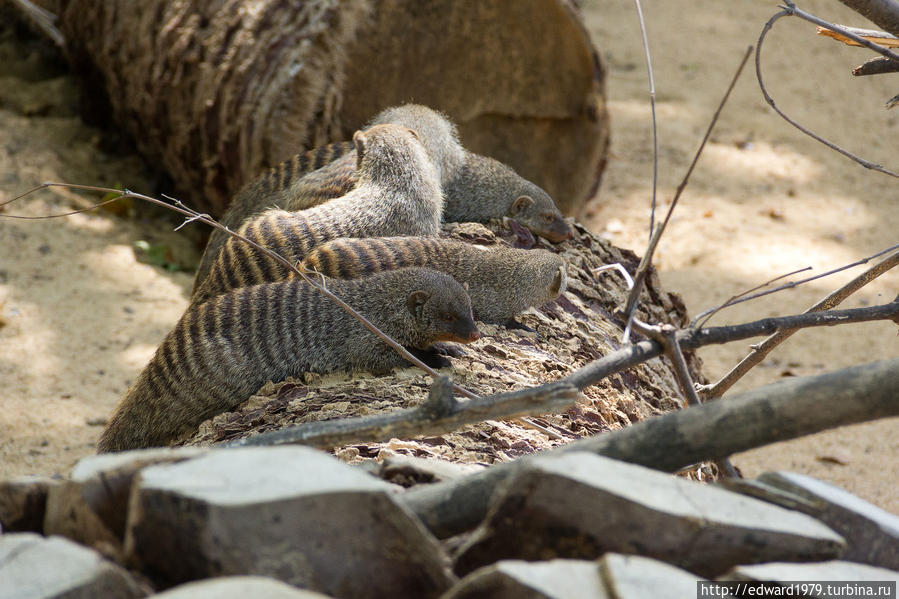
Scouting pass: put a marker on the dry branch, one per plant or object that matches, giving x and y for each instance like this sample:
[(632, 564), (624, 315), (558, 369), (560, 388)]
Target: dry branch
[(765, 347), (784, 410), (440, 413), (878, 65)]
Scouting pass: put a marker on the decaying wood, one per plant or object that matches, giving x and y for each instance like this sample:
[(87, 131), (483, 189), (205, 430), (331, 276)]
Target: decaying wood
[(876, 66), (784, 410), (215, 92)]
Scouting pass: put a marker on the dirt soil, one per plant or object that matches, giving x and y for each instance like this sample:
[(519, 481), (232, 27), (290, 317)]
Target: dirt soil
[(82, 310)]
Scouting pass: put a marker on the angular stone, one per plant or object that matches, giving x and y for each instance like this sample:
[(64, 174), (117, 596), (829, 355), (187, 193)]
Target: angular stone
[(91, 507), (872, 534), (636, 577), (23, 501), (292, 513), (34, 567), (515, 579), (580, 505), (238, 587), (820, 571)]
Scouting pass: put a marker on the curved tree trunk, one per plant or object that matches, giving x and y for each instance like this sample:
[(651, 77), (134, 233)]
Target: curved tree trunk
[(217, 91)]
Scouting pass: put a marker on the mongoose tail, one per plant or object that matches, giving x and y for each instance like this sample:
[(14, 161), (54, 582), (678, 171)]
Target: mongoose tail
[(502, 282), (224, 350)]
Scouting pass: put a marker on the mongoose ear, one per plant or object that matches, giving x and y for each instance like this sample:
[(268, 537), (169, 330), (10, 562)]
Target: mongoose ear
[(558, 285), (520, 204), (414, 133), (416, 302), (359, 140)]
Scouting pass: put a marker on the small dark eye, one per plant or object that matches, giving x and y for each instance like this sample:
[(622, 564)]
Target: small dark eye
[(448, 317), (548, 218)]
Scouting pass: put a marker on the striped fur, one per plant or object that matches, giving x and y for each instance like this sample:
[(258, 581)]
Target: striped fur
[(273, 188), (222, 351), (397, 194), (501, 281)]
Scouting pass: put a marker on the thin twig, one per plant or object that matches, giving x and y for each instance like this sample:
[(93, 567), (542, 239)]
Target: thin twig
[(655, 129), (792, 284), (734, 298), (643, 268), (791, 10), (765, 347), (193, 216)]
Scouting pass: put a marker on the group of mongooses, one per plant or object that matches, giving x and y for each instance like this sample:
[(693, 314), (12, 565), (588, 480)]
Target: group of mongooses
[(365, 215)]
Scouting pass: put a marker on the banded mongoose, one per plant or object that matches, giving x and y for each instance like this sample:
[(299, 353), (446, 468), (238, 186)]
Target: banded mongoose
[(501, 281), (222, 351), (397, 193), (477, 188)]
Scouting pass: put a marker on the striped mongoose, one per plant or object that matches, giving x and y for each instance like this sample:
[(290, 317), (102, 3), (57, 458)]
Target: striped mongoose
[(477, 188), (222, 351), (397, 193), (501, 281)]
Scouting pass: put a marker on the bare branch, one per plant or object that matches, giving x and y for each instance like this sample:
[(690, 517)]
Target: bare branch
[(887, 40), (203, 218), (655, 129), (438, 414), (765, 347), (709, 313), (646, 261), (799, 406), (746, 298), (791, 10)]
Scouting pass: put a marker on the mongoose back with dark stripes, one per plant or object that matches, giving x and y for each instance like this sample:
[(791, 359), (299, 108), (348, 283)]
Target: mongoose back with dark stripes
[(477, 188), (222, 351), (501, 281), (397, 193)]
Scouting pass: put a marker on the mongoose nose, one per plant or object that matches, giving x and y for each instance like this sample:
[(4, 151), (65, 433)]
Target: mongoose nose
[(474, 335)]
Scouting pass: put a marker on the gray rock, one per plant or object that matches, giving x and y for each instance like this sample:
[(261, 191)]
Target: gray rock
[(872, 534), (34, 567), (23, 501), (636, 577), (91, 507), (832, 570), (580, 505), (292, 513), (515, 579), (238, 587)]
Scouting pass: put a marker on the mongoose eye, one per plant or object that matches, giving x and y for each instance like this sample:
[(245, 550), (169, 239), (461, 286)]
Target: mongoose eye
[(548, 218), (449, 317)]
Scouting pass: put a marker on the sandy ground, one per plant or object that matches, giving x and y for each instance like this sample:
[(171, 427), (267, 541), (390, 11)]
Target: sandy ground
[(80, 315)]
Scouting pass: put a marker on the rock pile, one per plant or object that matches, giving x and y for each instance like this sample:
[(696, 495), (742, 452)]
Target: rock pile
[(194, 522)]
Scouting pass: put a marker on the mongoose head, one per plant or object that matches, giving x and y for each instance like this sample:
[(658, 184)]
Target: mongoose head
[(436, 132), (440, 309), (486, 188), (392, 157), (538, 213)]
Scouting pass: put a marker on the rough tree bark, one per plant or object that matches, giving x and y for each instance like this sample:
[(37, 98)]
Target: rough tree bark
[(217, 91)]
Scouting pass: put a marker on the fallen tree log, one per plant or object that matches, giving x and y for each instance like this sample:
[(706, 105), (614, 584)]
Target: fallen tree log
[(214, 93)]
